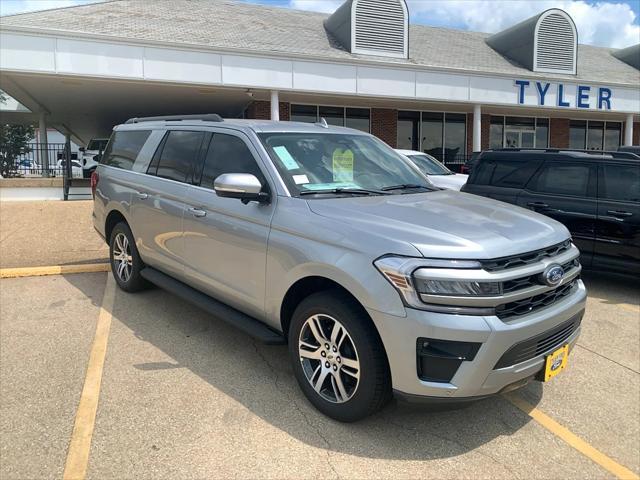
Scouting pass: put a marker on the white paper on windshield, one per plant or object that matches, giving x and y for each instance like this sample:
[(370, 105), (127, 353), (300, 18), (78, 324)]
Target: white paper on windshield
[(284, 155), (300, 179)]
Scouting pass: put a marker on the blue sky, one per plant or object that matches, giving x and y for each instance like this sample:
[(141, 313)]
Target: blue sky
[(612, 23)]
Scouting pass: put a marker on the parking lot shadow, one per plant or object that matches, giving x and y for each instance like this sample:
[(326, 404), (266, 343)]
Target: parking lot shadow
[(261, 379), (612, 289)]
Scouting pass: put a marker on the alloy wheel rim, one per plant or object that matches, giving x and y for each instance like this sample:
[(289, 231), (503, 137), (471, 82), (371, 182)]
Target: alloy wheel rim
[(122, 259), (329, 358)]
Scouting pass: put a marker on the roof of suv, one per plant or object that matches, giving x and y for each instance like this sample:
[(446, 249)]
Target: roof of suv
[(238, 124)]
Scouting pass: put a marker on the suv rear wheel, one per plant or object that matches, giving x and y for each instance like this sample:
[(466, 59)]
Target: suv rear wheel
[(125, 260), (338, 358)]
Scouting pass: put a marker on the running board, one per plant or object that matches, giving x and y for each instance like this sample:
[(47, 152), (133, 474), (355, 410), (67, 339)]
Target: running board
[(233, 317)]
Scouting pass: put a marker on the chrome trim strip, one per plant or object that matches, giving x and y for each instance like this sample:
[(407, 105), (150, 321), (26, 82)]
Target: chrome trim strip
[(481, 275), (471, 301)]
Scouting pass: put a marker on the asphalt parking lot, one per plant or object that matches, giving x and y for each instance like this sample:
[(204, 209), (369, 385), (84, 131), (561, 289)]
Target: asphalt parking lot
[(184, 395)]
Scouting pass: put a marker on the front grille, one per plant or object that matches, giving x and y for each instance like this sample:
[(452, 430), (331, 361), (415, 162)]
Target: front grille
[(532, 304), (513, 261), (533, 280), (540, 344)]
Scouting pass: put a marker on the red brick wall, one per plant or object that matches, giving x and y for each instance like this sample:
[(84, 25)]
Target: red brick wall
[(636, 133), (559, 136), (261, 110), (384, 125), (485, 125)]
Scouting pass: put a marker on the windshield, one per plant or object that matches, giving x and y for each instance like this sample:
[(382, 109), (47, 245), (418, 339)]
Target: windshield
[(341, 163), (429, 166), (97, 145)]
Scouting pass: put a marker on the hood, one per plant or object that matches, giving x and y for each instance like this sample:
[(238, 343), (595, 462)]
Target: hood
[(452, 182), (446, 223)]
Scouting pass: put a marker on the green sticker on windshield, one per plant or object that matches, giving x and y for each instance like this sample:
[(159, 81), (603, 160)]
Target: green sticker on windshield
[(284, 155), (342, 165)]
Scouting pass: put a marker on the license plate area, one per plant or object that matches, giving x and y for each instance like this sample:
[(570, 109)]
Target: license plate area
[(555, 362)]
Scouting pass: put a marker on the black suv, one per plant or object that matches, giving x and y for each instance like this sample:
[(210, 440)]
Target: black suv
[(597, 197)]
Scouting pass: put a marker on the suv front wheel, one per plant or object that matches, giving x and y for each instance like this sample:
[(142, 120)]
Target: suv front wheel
[(338, 358)]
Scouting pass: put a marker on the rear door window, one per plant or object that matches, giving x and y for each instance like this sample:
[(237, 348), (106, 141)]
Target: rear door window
[(563, 179), (228, 154), (176, 155), (124, 147), (620, 182)]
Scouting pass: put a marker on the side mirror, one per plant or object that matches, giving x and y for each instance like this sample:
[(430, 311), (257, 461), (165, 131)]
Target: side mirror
[(243, 186), (82, 149)]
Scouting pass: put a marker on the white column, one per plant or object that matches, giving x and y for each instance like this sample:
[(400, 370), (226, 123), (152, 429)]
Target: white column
[(477, 128), (275, 106), (628, 131), (44, 151)]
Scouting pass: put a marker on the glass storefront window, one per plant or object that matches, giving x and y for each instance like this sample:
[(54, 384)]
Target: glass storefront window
[(496, 130), (455, 136), (577, 134), (304, 113), (333, 115), (542, 132), (432, 130), (595, 135), (409, 130), (358, 118), (612, 135)]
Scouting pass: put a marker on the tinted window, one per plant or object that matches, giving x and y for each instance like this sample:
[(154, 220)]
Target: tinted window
[(123, 148), (228, 154), (505, 173), (563, 179), (179, 153), (621, 182)]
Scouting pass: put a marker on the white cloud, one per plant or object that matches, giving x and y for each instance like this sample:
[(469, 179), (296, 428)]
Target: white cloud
[(602, 23)]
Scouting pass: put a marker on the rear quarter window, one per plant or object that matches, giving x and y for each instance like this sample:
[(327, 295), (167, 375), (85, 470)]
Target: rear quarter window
[(505, 173), (123, 148)]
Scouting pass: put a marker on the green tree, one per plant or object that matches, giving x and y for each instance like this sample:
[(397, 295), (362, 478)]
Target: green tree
[(14, 141)]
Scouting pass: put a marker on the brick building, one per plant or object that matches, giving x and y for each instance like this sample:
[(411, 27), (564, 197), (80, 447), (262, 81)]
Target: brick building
[(444, 91)]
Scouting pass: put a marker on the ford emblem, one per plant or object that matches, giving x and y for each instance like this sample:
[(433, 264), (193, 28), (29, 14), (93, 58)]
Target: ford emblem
[(553, 275)]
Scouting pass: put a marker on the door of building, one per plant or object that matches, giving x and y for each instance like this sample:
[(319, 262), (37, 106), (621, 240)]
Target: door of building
[(519, 137)]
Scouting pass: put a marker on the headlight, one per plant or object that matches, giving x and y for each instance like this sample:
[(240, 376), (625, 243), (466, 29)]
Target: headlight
[(404, 273)]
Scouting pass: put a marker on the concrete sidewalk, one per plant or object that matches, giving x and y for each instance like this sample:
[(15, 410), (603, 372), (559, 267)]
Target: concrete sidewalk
[(49, 233)]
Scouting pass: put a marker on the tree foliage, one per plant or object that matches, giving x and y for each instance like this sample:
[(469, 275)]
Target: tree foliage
[(14, 141)]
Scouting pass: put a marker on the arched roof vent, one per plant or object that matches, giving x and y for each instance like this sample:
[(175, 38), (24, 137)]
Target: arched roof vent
[(372, 27), (547, 42), (629, 55)]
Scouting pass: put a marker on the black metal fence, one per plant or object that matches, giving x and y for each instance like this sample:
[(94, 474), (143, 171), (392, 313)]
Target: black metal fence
[(453, 162), (45, 160)]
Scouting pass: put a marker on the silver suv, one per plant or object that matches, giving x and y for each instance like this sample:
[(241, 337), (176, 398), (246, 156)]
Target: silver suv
[(326, 239)]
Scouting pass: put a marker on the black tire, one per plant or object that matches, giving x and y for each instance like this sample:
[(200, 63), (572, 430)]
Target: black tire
[(134, 282), (373, 389)]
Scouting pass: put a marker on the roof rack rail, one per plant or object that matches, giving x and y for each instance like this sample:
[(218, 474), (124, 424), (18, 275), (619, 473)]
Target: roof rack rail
[(612, 153), (207, 117)]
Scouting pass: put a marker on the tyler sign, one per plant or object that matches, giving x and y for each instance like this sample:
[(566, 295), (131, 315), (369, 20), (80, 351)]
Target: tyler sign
[(543, 93)]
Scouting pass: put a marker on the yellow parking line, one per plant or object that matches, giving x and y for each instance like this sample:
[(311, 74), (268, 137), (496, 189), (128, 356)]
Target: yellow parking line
[(53, 270), (573, 440), (78, 454)]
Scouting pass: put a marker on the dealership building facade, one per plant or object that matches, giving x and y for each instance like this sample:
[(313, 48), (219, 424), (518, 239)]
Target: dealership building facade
[(443, 91)]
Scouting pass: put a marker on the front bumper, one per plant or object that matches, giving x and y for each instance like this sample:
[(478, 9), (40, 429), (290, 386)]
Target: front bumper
[(476, 378)]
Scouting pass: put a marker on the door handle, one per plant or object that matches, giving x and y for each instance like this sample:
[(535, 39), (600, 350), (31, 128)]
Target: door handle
[(197, 212), (142, 195), (538, 205), (619, 213)]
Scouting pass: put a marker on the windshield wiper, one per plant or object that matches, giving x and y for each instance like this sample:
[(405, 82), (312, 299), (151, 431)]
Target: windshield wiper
[(404, 186), (354, 191)]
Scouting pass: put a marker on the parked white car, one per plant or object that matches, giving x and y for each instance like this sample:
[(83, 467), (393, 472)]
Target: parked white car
[(439, 175), (88, 155), (76, 168)]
